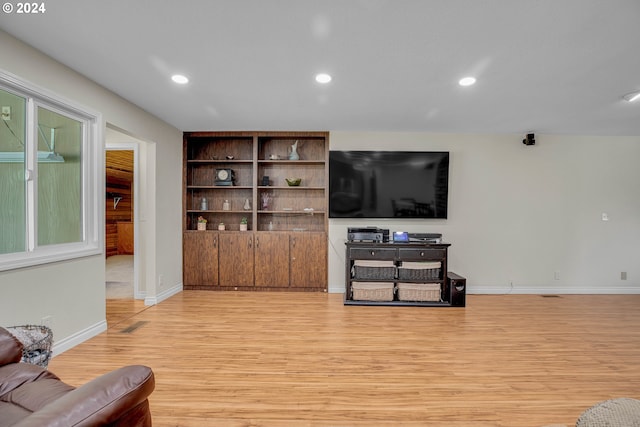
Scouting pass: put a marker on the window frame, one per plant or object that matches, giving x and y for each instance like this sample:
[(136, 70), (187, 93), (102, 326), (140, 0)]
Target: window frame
[(92, 182)]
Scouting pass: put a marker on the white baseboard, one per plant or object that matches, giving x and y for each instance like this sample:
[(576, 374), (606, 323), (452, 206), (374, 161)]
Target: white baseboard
[(336, 289), (163, 295), (546, 290), (64, 344)]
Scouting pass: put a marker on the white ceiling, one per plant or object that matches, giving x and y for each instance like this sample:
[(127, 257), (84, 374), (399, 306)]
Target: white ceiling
[(544, 66)]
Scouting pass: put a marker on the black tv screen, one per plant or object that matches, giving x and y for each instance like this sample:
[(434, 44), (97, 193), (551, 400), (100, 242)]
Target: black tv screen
[(388, 184)]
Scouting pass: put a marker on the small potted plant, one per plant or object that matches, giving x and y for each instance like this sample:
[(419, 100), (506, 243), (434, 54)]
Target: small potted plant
[(202, 223), (243, 224), (221, 226)]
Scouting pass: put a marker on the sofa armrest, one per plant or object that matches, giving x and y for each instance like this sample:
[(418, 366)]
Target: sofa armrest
[(101, 401), (10, 348)]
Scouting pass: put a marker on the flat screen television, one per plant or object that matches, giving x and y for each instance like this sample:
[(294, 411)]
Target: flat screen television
[(388, 184)]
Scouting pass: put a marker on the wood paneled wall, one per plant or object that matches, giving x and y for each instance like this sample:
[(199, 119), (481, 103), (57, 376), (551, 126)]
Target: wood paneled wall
[(119, 218)]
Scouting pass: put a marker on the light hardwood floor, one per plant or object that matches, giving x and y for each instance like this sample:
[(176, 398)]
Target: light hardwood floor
[(304, 359)]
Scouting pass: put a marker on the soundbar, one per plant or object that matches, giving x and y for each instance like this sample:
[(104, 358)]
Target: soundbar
[(425, 237)]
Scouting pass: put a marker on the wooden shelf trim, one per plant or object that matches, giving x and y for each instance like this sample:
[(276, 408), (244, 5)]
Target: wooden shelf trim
[(224, 161), (219, 187), (293, 162), (288, 212), (288, 187)]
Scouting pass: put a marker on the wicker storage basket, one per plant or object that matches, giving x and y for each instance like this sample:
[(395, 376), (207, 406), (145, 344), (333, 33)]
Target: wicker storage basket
[(419, 270), (372, 269), (37, 341), (419, 291), (372, 291)]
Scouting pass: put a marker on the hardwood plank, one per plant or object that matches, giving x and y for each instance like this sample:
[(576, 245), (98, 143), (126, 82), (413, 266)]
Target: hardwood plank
[(304, 359), (120, 310)]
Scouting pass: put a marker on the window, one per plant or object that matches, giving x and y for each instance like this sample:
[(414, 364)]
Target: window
[(50, 175)]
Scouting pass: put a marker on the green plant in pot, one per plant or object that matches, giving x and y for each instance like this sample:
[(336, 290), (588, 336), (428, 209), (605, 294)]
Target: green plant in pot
[(202, 223), (243, 224)]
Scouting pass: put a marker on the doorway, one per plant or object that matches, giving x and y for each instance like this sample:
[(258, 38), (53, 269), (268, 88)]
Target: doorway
[(131, 154), (120, 223)]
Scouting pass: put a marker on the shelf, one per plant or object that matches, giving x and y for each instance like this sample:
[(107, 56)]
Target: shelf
[(288, 187), (291, 212), (400, 303), (219, 211), (224, 161), (396, 280), (219, 187), (292, 162), (273, 254)]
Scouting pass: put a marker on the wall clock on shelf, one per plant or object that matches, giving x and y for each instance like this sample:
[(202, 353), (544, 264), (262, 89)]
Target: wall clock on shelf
[(224, 177)]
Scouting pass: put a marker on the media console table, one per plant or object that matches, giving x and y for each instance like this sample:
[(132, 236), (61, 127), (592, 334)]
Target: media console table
[(411, 274)]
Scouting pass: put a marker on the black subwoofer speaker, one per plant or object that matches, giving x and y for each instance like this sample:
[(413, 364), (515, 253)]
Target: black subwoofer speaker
[(457, 289)]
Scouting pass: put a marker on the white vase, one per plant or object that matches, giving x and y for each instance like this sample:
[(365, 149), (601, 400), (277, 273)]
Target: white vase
[(202, 226), (243, 227), (294, 152)]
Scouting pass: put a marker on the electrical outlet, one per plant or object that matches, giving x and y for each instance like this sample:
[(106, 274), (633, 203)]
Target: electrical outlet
[(160, 279), (47, 321), (623, 275), (556, 275), (6, 112)]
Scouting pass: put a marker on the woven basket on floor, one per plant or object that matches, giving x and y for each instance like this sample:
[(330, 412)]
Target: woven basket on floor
[(37, 341), (419, 292), (372, 291)]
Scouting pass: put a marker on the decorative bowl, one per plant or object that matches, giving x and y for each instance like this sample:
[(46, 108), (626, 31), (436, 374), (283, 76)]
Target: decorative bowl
[(293, 182)]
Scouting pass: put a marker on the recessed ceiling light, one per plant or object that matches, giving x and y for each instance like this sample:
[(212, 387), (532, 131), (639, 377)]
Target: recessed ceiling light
[(633, 96), (180, 79), (323, 78), (467, 81)]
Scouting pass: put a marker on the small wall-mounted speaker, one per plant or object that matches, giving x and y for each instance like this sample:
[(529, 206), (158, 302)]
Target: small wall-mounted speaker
[(530, 139)]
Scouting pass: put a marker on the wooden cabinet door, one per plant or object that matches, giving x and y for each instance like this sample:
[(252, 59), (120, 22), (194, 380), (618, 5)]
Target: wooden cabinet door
[(272, 259), (308, 260), (200, 258), (235, 259), (125, 238)]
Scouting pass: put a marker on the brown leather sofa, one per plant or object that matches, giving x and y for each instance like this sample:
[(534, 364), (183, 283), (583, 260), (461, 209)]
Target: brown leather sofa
[(31, 396)]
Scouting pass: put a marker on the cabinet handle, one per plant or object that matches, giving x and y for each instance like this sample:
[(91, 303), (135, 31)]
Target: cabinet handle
[(421, 253), (373, 252), (250, 241), (293, 242), (215, 242)]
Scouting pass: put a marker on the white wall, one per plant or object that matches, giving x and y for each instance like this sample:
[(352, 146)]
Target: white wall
[(520, 214), (73, 292)]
